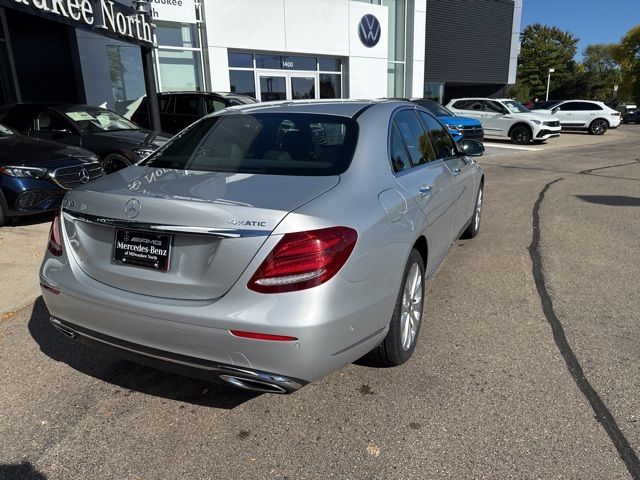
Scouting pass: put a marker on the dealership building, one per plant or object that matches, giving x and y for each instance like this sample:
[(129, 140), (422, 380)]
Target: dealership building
[(101, 52)]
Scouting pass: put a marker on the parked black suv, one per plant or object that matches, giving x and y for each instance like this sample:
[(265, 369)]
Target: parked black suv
[(178, 110), (115, 140)]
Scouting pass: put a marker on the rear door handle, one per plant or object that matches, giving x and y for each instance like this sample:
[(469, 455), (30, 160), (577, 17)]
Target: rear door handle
[(455, 171), (425, 190)]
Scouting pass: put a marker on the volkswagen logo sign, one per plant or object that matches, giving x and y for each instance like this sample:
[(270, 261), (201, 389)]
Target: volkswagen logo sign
[(83, 175), (132, 208), (369, 30)]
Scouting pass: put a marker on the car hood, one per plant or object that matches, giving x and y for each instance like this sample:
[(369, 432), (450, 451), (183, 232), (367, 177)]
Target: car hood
[(133, 138), (19, 150), (464, 121)]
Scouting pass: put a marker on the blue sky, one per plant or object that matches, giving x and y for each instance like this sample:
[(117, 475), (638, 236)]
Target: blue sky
[(592, 21)]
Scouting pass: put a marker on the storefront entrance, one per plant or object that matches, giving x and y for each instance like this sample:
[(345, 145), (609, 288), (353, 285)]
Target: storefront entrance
[(286, 86)]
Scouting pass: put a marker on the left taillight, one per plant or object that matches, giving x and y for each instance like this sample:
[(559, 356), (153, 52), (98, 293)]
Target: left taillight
[(55, 236)]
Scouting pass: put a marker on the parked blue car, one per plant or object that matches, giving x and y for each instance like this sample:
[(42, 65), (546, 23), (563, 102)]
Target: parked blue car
[(459, 127), (35, 174)]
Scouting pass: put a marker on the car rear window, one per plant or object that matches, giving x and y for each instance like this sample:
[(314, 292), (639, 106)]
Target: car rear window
[(265, 143)]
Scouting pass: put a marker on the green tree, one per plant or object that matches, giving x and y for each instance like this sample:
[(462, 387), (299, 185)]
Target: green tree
[(544, 47), (627, 54), (600, 71)]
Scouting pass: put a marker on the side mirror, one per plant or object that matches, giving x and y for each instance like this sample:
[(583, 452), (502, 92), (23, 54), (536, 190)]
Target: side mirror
[(557, 109), (472, 148)]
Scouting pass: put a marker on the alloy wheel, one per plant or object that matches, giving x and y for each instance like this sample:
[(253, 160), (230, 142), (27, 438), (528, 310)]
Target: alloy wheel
[(411, 313), (478, 213)]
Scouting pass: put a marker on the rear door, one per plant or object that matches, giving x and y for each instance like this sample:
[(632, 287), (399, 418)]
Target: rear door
[(589, 112), (461, 169), (424, 179)]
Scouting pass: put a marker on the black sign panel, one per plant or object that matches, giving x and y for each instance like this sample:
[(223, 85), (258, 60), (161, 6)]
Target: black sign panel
[(142, 249)]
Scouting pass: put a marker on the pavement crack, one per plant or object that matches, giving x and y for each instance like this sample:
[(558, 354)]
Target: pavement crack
[(588, 171), (602, 413)]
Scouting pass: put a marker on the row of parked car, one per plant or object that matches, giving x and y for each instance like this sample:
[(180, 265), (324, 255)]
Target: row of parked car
[(47, 149)]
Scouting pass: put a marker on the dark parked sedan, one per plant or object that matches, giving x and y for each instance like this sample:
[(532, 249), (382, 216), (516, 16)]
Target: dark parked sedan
[(633, 117), (36, 174), (178, 110), (115, 140)]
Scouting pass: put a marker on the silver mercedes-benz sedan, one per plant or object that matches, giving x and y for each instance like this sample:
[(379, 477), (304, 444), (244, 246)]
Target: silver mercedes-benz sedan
[(266, 245)]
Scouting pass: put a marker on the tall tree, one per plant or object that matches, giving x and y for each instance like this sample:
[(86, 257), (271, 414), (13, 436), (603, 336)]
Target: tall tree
[(544, 47), (628, 56), (601, 71)]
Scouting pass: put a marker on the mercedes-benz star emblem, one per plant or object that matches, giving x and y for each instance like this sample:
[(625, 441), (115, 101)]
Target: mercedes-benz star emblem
[(369, 30), (132, 208), (84, 175)]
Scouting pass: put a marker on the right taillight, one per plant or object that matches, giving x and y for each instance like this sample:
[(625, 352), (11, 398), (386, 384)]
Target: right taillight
[(55, 236), (304, 259)]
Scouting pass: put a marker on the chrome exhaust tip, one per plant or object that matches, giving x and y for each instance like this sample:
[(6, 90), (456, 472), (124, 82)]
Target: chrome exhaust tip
[(66, 331), (252, 384)]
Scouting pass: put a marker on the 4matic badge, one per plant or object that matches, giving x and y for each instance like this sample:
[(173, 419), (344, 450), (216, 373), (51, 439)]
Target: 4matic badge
[(247, 223)]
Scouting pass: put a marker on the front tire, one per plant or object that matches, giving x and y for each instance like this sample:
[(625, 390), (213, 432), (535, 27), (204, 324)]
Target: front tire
[(400, 342), (598, 127), (521, 135), (114, 162), (474, 227)]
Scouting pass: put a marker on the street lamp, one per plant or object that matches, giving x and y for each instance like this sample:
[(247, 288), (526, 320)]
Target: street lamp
[(551, 70)]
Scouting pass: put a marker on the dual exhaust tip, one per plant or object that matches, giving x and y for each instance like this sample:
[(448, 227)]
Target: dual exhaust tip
[(252, 384)]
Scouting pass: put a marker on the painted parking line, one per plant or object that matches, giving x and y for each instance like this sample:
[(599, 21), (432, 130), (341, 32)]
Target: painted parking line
[(512, 147)]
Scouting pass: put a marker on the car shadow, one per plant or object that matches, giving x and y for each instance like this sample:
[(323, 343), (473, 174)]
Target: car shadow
[(127, 375), (611, 200), (20, 471)]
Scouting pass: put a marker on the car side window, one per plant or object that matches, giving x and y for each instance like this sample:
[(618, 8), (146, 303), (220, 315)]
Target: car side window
[(590, 106), (493, 107), (570, 107), (461, 104), (213, 104), (50, 122), (163, 101), (398, 151), (414, 137), (187, 105), (442, 142)]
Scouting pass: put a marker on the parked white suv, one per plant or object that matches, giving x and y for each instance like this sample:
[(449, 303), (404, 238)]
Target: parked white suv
[(589, 115), (506, 118)]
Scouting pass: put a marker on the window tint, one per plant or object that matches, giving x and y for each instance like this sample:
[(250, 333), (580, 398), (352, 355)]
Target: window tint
[(493, 107), (242, 81), (399, 155), (329, 64), (462, 104), (442, 142), (243, 60), (570, 107), (586, 106), (49, 122), (186, 104), (213, 104), (163, 100), (263, 143), (414, 136)]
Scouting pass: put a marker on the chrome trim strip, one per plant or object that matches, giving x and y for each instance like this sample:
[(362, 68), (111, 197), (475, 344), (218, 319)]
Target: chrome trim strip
[(188, 229)]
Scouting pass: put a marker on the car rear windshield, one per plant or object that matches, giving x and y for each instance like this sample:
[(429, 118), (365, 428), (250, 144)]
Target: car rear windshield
[(265, 143)]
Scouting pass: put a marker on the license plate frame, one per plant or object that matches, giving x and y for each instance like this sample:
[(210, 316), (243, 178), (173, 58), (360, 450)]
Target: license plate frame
[(148, 250)]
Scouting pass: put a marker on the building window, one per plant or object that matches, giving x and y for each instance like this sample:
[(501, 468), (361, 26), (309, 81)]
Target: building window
[(179, 57), (302, 76), (7, 87), (397, 44)]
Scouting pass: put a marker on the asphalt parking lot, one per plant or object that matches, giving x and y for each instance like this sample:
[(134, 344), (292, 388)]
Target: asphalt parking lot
[(528, 364)]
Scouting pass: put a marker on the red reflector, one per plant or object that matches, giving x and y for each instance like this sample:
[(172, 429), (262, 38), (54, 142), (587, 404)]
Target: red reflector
[(50, 289), (304, 259), (55, 236), (262, 336)]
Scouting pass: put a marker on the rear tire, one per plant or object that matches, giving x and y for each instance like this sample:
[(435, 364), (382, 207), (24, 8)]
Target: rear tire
[(598, 127), (3, 216), (474, 227), (114, 162), (521, 135), (400, 342)]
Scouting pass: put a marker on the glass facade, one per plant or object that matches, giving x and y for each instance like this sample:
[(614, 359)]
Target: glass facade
[(397, 40), (302, 76), (7, 86), (179, 57)]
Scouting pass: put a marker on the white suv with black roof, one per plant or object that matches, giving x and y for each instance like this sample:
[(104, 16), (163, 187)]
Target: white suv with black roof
[(595, 117), (507, 118)]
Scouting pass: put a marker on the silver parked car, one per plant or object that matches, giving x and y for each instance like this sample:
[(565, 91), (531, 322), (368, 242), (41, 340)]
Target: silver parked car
[(266, 245)]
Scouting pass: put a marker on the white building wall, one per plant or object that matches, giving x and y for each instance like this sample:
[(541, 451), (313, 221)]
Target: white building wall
[(419, 40), (322, 27), (515, 41)]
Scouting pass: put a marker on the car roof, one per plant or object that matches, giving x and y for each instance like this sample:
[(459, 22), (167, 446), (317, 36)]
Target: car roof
[(191, 92), (345, 108), (41, 105)]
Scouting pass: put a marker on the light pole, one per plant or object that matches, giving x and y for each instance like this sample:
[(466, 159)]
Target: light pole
[(551, 70)]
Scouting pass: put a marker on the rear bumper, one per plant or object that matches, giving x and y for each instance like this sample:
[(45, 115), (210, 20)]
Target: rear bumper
[(246, 378)]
